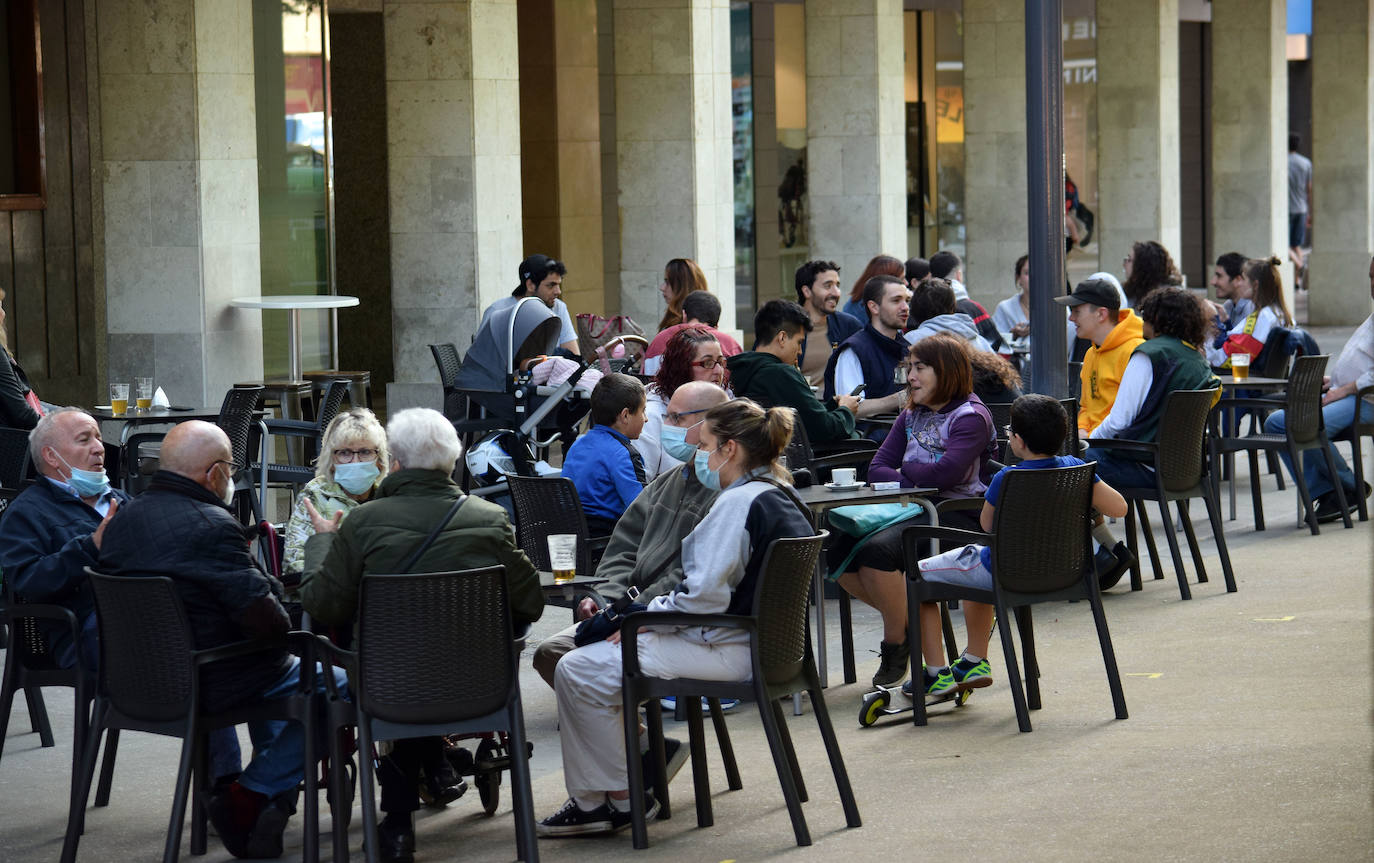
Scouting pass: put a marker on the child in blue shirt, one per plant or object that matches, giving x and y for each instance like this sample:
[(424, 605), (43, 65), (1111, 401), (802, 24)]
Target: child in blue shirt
[(604, 466), (1039, 425)]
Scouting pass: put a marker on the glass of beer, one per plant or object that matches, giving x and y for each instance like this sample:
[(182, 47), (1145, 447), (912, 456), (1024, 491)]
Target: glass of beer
[(1240, 366), (563, 557), (143, 393), (119, 399)]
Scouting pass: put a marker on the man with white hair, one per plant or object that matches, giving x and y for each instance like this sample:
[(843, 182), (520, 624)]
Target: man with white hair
[(378, 537), (54, 529)]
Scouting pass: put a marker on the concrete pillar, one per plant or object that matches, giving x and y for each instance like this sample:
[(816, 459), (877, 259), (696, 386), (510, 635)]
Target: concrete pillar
[(995, 191), (1250, 132), (453, 156), (177, 172), (1342, 161), (673, 148), (855, 151), (560, 139), (1137, 122)]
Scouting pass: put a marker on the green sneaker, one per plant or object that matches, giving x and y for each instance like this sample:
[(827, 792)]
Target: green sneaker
[(971, 675), (939, 687)]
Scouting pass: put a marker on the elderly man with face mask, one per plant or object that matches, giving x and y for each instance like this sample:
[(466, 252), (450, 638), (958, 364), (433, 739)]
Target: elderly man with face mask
[(55, 528)]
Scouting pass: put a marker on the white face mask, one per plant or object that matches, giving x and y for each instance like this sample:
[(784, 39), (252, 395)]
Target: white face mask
[(228, 494)]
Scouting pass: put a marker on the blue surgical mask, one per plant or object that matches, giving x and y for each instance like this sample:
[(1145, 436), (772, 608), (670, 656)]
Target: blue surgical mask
[(86, 483), (675, 444), (356, 477), (701, 460)]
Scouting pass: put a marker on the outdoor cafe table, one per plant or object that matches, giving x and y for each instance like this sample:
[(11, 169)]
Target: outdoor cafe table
[(567, 594), (293, 303), (820, 500), (1230, 384)]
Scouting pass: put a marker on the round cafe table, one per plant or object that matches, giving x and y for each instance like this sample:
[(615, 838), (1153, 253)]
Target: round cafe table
[(293, 303)]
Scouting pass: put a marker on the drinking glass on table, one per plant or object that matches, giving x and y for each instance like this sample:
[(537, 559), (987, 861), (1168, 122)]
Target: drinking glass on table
[(119, 399), (563, 557), (143, 393), (1240, 366)]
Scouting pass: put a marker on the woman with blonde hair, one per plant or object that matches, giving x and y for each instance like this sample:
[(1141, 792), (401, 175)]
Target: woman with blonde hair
[(352, 462), (721, 561), (681, 277)]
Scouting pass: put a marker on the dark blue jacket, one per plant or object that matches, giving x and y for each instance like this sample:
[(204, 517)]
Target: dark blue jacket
[(180, 530), (838, 327), (45, 541), (878, 357)]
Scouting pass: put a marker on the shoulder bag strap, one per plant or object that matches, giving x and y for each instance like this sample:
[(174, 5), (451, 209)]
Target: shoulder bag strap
[(433, 535)]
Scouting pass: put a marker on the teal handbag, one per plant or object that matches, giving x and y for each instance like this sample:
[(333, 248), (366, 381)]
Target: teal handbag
[(863, 519)]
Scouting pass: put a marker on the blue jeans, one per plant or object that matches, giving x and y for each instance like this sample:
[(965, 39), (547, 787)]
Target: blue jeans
[(1120, 471), (279, 762), (1338, 416)]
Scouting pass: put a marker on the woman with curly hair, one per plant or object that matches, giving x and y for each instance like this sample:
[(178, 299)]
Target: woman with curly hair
[(1170, 358), (1248, 334), (882, 265), (692, 354), (680, 278), (1148, 266), (995, 381)]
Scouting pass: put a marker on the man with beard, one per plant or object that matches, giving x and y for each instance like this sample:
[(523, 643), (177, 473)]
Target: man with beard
[(818, 292), (870, 357)]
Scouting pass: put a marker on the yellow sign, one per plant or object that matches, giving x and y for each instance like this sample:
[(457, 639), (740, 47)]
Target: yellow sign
[(949, 115)]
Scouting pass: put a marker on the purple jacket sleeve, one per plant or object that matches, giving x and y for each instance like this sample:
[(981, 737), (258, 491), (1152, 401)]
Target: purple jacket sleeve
[(887, 461)]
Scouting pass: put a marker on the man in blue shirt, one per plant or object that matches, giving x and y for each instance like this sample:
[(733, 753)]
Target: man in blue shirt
[(604, 466)]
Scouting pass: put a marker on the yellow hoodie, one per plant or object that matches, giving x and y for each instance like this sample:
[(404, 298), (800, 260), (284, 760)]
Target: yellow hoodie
[(1103, 367)]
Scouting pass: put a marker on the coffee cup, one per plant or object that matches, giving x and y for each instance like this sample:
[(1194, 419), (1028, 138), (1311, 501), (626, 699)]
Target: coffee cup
[(842, 476)]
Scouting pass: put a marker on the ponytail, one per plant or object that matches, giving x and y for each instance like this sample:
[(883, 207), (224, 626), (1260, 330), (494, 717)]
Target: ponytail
[(1263, 273), (762, 434)]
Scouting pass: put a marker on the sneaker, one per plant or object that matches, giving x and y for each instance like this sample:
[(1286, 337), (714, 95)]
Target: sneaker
[(669, 702), (604, 819), (1329, 508), (938, 686), (892, 660), (971, 675), (1112, 564), (674, 756)]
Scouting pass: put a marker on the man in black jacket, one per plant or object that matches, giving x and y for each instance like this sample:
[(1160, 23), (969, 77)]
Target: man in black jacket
[(182, 528), (54, 529)]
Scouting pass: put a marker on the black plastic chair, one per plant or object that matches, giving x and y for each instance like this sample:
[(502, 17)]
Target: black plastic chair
[(310, 431), (1179, 459), (1303, 430), (1353, 434), (16, 469), (149, 680), (29, 667), (812, 464), (436, 655), (549, 505), (780, 647), (1041, 552)]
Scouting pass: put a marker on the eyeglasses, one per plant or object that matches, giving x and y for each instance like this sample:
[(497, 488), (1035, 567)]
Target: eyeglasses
[(677, 418), (709, 362), (345, 456), (234, 467)]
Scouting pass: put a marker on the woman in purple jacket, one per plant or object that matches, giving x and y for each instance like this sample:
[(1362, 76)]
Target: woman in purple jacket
[(943, 440)]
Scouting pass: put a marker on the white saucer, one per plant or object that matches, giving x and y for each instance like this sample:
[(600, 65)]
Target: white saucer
[(853, 486)]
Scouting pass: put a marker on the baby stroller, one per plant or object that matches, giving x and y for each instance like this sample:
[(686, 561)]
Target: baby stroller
[(503, 397)]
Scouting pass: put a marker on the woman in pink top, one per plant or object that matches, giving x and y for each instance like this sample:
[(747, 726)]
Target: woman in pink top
[(943, 440)]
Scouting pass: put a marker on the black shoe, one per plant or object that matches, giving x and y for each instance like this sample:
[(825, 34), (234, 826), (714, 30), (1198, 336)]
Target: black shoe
[(674, 756), (1328, 508), (265, 839), (1112, 564), (892, 661), (603, 820), (221, 812), (396, 840)]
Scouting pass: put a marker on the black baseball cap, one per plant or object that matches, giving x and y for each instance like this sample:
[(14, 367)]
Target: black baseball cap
[(537, 267), (1097, 292)]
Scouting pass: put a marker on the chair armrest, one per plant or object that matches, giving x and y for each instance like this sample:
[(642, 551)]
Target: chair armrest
[(631, 624), (345, 659), (1122, 443), (853, 458), (522, 634), (848, 445), (958, 504), (20, 610), (1232, 403), (292, 428), (236, 649)]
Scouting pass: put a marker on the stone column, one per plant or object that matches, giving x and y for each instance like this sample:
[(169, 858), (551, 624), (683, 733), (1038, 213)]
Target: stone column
[(995, 186), (1137, 122), (1342, 161), (178, 175), (673, 148), (453, 156), (855, 151), (1250, 132)]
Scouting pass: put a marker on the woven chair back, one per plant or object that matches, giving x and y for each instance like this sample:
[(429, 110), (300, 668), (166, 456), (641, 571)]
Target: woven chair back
[(781, 604), (14, 457), (1303, 412), (1040, 533), (434, 647), (1182, 438), (236, 418), (545, 506), (145, 646)]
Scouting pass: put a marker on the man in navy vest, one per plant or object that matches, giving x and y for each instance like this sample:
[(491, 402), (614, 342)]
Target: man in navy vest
[(870, 357)]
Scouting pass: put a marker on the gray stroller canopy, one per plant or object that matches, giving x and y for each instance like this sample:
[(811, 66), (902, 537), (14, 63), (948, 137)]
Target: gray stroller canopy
[(508, 337)]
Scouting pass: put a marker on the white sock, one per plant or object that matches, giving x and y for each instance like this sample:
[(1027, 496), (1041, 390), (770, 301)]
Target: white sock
[(970, 658), (618, 805), (588, 802)]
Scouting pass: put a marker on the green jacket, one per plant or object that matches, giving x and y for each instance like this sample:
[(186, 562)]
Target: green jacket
[(771, 382), (379, 535), (646, 548), (1175, 365)]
